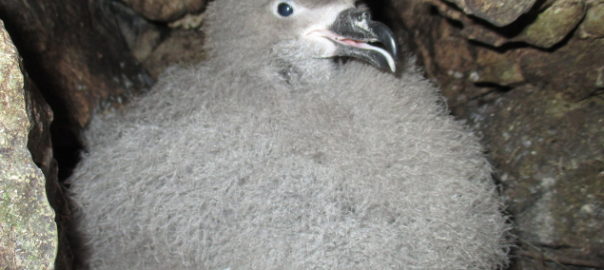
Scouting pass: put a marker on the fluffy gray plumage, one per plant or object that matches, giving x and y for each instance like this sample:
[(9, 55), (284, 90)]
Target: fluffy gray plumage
[(268, 156)]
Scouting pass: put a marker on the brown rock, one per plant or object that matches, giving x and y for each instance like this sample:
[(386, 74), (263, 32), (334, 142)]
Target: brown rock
[(484, 35), (141, 35), (554, 24), (540, 112), (499, 13), (165, 10), (496, 68), (181, 47), (574, 70), (552, 171), (593, 24)]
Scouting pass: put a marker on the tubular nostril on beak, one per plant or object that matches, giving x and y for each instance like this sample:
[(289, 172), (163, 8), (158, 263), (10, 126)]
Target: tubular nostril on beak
[(361, 15)]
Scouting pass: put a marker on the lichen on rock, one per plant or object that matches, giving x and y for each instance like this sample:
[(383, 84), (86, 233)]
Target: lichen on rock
[(28, 234)]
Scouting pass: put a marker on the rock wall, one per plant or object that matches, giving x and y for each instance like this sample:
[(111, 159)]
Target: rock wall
[(529, 76), (77, 61), (28, 233)]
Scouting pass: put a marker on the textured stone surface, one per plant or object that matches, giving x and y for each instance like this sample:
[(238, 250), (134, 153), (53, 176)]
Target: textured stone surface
[(28, 234), (593, 24), (468, 71), (141, 35), (165, 10), (549, 153), (553, 24), (157, 46), (542, 28), (181, 47), (76, 56), (533, 90), (497, 68), (499, 13)]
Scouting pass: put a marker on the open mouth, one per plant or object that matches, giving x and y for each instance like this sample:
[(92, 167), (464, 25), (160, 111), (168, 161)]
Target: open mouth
[(350, 42), (344, 40), (362, 44), (372, 46)]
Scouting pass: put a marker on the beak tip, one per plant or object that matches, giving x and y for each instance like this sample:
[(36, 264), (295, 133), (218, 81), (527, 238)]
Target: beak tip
[(392, 66)]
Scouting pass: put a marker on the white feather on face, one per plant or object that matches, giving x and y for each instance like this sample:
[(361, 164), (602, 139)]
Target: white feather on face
[(223, 167)]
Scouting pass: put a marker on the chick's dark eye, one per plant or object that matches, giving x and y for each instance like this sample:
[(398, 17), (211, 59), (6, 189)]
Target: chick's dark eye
[(285, 9)]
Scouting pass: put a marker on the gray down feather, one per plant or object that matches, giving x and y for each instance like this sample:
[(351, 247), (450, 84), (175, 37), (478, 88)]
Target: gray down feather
[(267, 156)]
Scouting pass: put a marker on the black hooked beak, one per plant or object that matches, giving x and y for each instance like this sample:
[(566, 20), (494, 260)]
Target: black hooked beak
[(356, 35)]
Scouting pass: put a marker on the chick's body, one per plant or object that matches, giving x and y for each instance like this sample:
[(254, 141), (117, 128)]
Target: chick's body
[(234, 166)]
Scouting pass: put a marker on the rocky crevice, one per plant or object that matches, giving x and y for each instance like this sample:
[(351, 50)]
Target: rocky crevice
[(528, 75)]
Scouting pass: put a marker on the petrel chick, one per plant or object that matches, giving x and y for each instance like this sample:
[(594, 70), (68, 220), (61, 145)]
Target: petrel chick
[(271, 155)]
